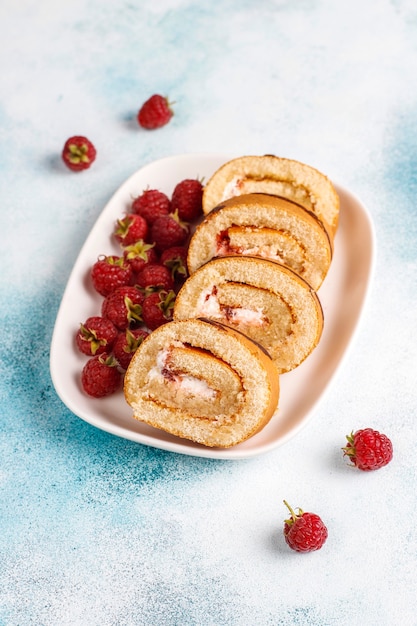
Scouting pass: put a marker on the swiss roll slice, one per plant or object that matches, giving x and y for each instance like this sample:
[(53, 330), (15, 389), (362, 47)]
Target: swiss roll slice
[(267, 301), (203, 381), (267, 226), (279, 176)]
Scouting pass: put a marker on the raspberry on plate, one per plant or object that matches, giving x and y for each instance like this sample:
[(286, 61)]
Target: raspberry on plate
[(368, 449), (187, 199), (126, 345), (175, 259), (78, 153), (123, 307), (155, 112), (155, 277), (168, 231), (304, 532), (100, 376), (140, 254), (131, 229), (157, 308), (151, 204), (96, 335), (110, 272)]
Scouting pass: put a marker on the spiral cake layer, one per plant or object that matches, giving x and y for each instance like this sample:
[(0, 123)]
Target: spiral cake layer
[(202, 381)]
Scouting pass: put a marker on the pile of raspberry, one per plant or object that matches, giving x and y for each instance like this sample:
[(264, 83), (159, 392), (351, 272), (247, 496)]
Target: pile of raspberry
[(139, 285)]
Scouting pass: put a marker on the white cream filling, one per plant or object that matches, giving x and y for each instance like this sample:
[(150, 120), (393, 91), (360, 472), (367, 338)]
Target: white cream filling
[(196, 386), (185, 382), (232, 188), (208, 305), (266, 252), (250, 317), (156, 370)]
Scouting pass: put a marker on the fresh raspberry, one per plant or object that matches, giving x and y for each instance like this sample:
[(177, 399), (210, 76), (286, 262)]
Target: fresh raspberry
[(155, 112), (304, 532), (140, 254), (100, 376), (130, 229), (187, 198), (175, 259), (151, 204), (110, 272), (95, 336), (78, 153), (123, 307), (168, 231), (368, 449), (155, 277), (157, 308), (126, 345)]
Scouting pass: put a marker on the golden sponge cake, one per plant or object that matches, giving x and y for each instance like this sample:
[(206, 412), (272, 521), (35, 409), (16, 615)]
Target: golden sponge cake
[(202, 381), (278, 176), (263, 299), (263, 225)]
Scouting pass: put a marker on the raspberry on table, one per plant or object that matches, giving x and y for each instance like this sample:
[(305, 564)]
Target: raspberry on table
[(187, 199), (151, 204), (100, 376), (157, 308), (123, 307), (156, 277), (78, 153), (155, 112), (126, 345), (303, 531), (168, 231), (110, 272), (96, 335), (131, 229), (368, 449)]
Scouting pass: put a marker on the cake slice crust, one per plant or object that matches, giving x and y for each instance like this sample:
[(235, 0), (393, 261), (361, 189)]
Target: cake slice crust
[(279, 176)]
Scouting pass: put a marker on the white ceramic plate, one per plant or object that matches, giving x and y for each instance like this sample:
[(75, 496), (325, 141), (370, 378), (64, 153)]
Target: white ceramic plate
[(342, 295)]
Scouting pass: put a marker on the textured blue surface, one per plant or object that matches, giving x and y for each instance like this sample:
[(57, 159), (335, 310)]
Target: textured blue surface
[(97, 530)]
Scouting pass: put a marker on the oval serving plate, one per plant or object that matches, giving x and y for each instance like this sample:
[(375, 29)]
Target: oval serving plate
[(342, 295)]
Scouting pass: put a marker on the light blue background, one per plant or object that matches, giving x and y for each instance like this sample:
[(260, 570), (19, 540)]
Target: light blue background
[(97, 530)]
